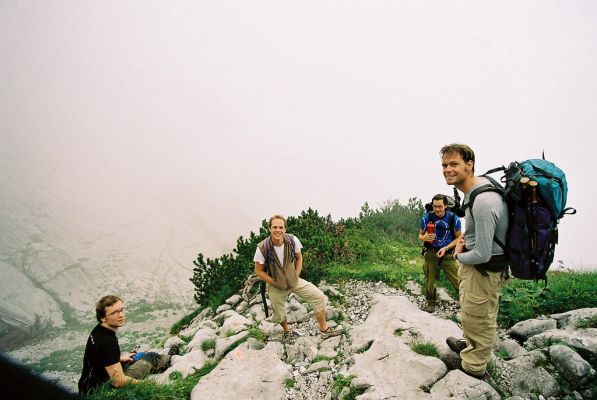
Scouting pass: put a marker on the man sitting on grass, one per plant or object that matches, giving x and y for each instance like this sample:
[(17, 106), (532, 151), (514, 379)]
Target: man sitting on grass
[(102, 361)]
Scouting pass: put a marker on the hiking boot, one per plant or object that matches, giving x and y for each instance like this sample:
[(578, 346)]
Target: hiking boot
[(456, 345), (453, 362), (330, 332), (430, 308)]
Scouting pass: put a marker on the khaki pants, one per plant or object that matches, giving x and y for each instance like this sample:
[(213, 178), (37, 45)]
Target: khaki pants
[(479, 303), (303, 289), (431, 270), (150, 363)]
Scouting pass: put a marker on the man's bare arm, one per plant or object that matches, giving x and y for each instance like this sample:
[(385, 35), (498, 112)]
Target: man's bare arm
[(117, 376)]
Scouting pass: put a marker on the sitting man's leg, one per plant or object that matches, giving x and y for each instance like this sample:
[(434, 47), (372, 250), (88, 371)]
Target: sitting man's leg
[(149, 363)]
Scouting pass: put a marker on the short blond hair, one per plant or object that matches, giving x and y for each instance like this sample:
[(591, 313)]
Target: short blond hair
[(465, 152), (277, 216)]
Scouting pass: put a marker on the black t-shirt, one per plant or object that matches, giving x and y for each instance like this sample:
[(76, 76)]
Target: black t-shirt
[(102, 350)]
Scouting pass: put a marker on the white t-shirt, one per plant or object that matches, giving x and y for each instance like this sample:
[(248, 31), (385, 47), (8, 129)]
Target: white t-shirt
[(260, 258)]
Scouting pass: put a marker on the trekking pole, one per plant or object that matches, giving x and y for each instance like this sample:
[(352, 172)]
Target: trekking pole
[(532, 206)]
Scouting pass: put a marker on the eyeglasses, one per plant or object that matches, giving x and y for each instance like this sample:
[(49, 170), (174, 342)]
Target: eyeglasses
[(116, 312)]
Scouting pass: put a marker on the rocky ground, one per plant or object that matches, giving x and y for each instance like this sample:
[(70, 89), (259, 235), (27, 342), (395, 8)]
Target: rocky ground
[(378, 355)]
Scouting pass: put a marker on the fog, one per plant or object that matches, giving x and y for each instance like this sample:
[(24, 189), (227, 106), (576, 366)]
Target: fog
[(231, 111)]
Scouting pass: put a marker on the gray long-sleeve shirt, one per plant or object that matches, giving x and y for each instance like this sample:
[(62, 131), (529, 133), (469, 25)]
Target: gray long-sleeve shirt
[(488, 220)]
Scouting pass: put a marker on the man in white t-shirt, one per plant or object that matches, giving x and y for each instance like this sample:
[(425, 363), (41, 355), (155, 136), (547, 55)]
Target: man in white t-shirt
[(278, 262)]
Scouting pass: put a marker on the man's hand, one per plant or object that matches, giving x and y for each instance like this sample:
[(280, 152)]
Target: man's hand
[(127, 358), (459, 247), (429, 237), (441, 252)]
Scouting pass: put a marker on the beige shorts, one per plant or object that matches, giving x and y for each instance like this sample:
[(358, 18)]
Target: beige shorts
[(303, 289)]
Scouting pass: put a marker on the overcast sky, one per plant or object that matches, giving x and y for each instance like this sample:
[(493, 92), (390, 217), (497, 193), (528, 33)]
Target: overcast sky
[(235, 110)]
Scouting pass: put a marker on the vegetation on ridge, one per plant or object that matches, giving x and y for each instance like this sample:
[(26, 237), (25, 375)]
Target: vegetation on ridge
[(380, 245)]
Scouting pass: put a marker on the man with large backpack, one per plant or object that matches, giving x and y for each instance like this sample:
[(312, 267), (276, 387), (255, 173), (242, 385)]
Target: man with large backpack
[(440, 230), (278, 262), (483, 263)]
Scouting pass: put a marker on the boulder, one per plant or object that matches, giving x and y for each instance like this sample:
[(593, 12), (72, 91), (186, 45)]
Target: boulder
[(583, 341), (186, 364), (458, 385), (572, 366), (525, 329), (512, 348), (233, 300), (304, 349), (201, 336), (224, 345), (222, 308), (392, 324), (328, 347), (262, 371), (528, 375), (235, 324), (572, 318)]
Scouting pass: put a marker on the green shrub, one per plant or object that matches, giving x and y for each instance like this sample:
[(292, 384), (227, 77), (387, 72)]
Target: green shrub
[(386, 236), (565, 291)]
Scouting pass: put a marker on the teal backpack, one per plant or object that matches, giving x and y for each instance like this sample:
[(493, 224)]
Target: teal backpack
[(536, 193)]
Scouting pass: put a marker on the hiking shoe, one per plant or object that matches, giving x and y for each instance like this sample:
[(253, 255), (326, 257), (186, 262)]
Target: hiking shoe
[(330, 332), (430, 308), (455, 362), (456, 345)]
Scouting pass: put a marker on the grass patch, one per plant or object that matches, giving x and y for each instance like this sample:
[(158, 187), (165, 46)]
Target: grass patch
[(179, 389), (588, 323), (322, 358), (70, 360), (398, 332), (340, 382), (289, 383), (425, 349), (366, 347), (186, 339), (503, 354), (185, 321), (208, 344), (257, 333)]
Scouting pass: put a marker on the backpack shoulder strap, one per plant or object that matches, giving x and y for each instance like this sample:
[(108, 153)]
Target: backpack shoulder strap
[(265, 247), (430, 217), (492, 186), (452, 224), (292, 245)]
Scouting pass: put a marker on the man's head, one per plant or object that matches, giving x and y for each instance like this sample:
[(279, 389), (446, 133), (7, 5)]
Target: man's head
[(439, 203), (110, 311), (458, 163), (277, 228)]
